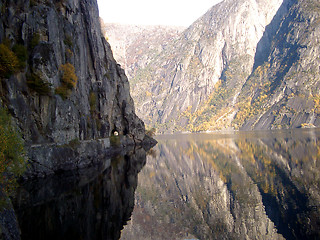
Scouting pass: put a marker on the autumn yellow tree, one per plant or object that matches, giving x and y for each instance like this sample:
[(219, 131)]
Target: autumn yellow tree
[(68, 79)]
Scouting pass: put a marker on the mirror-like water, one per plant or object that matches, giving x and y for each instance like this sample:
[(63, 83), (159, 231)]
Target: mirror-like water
[(86, 204), (244, 185), (254, 185)]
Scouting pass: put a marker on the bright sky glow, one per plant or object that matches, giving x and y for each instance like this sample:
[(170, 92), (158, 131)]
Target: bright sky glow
[(148, 12)]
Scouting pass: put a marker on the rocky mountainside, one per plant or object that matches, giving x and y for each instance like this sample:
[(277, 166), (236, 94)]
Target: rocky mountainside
[(59, 79), (283, 91), (246, 64), (134, 45)]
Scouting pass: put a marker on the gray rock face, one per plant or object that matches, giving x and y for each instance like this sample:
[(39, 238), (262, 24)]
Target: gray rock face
[(184, 76), (244, 65), (56, 33), (134, 45), (291, 79), (9, 227)]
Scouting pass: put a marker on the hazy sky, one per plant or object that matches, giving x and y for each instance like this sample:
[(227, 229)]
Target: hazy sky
[(148, 12)]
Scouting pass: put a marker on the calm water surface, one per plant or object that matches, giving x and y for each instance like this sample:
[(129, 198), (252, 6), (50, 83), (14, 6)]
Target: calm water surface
[(246, 185), (86, 204)]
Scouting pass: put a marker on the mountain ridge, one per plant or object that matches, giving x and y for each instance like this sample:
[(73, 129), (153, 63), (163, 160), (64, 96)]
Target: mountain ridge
[(202, 80), (131, 43)]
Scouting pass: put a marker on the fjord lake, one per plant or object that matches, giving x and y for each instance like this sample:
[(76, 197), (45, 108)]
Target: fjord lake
[(232, 185)]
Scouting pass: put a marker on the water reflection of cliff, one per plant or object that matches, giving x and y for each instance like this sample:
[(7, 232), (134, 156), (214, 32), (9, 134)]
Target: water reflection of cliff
[(88, 204), (261, 185)]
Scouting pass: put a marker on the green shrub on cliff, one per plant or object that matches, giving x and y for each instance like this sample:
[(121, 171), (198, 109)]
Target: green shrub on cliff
[(12, 154), (35, 82), (35, 40), (22, 55), (68, 41), (9, 62), (93, 102), (63, 91)]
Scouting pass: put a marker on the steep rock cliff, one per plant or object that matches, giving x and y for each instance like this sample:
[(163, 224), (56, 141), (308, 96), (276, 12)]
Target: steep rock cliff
[(69, 87), (184, 77), (67, 32), (289, 77), (243, 65)]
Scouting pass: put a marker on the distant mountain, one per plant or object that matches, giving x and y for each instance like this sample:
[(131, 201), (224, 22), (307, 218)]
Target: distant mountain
[(133, 45), (245, 64)]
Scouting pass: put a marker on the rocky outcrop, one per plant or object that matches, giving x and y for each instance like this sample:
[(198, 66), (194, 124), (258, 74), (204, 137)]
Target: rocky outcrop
[(69, 88)]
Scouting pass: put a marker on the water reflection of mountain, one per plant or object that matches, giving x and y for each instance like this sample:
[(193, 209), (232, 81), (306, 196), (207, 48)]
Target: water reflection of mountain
[(261, 185), (86, 204)]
